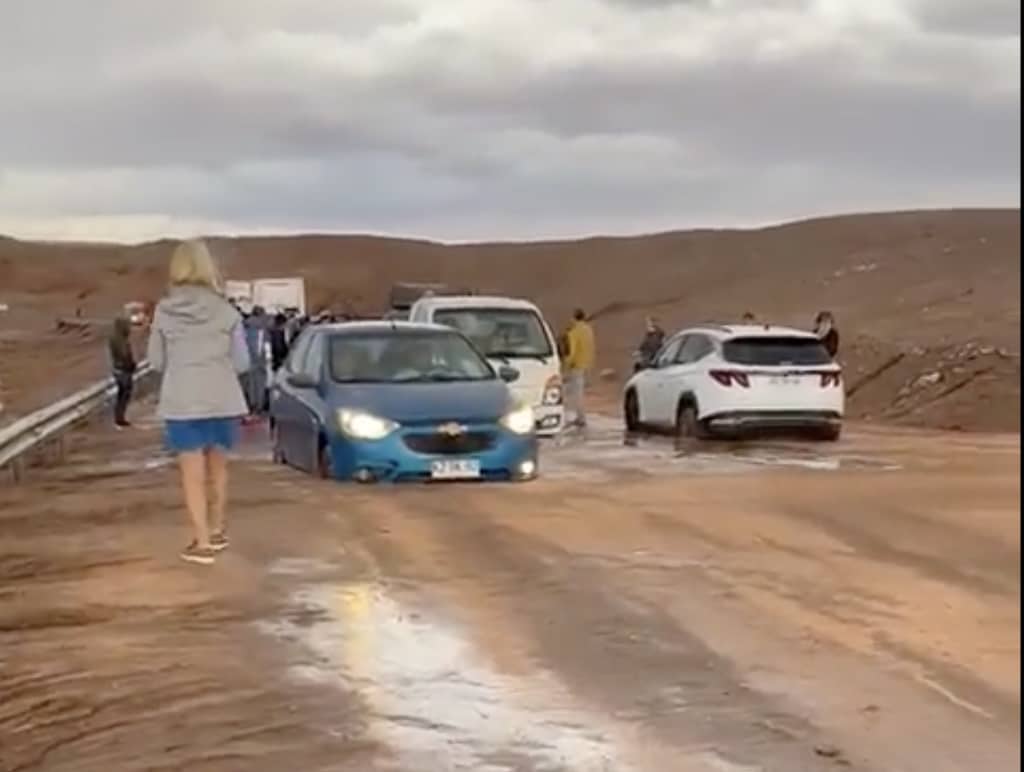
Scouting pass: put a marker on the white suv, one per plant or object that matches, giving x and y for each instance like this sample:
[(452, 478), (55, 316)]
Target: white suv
[(731, 380)]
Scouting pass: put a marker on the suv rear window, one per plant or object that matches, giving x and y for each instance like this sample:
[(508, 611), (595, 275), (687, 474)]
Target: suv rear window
[(774, 351)]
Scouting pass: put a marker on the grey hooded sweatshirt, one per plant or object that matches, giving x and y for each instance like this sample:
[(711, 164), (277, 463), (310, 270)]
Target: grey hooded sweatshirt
[(198, 345)]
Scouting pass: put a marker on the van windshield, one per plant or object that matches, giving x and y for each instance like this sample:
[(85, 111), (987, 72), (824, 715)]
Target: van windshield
[(502, 333)]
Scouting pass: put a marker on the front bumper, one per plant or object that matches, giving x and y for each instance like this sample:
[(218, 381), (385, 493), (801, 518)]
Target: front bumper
[(408, 454), (756, 421), (550, 419)]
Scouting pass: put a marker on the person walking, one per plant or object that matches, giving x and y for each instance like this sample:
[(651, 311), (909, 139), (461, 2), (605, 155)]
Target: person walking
[(198, 346), (579, 361), (825, 329), (123, 366)]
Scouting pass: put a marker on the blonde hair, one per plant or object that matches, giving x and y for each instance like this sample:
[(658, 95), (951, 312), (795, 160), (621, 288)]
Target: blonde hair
[(193, 264)]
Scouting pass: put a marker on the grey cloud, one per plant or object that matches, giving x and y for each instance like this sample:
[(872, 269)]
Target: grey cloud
[(987, 18), (387, 117)]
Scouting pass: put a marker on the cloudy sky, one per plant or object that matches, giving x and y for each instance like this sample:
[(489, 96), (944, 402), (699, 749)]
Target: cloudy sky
[(466, 119)]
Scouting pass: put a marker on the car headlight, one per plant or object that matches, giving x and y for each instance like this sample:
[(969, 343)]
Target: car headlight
[(520, 420), (360, 425), (552, 391)]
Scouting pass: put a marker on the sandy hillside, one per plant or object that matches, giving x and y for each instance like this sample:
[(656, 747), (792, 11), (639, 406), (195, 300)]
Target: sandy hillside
[(928, 302)]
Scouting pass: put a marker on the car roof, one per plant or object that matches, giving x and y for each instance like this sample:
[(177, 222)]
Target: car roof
[(478, 301), (380, 325), (727, 331)]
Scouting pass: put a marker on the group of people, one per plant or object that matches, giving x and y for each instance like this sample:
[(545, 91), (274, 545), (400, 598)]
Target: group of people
[(654, 336), (268, 338)]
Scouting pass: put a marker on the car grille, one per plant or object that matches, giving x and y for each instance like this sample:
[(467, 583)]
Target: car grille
[(447, 445)]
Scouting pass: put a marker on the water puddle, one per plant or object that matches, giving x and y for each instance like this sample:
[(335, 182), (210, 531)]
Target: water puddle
[(437, 702), (604, 448), (301, 567)]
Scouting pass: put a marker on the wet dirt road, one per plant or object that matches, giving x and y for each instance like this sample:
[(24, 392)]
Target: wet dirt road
[(770, 607)]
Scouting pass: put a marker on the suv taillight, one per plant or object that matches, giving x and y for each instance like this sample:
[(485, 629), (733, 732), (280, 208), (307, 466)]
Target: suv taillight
[(833, 379), (729, 377)]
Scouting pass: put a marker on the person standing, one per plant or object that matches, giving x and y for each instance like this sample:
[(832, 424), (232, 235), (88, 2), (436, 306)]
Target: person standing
[(825, 329), (198, 346), (579, 361), (256, 328), (654, 338), (278, 339), (123, 366)]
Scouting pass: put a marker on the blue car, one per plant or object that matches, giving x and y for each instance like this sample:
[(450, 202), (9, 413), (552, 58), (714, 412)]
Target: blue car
[(393, 401)]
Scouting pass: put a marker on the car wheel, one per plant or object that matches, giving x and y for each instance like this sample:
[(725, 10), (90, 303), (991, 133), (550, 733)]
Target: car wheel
[(631, 412), (830, 433), (323, 462), (277, 452), (688, 423)]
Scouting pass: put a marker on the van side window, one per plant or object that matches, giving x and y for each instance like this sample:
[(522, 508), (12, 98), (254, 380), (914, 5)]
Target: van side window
[(313, 364), (298, 352)]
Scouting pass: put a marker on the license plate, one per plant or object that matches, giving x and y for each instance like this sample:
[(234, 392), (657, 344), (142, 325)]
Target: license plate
[(786, 380), (455, 469)]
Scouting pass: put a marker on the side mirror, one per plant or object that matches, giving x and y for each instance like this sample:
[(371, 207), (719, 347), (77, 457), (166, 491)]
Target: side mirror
[(508, 374), (302, 381), (641, 366)]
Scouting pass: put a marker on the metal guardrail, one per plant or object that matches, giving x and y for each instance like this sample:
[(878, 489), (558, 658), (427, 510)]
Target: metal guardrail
[(31, 431)]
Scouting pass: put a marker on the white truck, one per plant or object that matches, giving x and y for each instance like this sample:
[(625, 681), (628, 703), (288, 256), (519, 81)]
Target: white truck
[(509, 332), (273, 295)]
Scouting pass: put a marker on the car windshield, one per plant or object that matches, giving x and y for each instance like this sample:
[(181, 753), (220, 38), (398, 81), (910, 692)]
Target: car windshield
[(768, 351), (504, 333), (405, 357)]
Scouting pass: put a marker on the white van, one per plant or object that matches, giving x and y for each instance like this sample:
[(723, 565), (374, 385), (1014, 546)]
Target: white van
[(510, 332)]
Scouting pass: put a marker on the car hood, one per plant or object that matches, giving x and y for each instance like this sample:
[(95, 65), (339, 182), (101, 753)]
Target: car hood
[(423, 403)]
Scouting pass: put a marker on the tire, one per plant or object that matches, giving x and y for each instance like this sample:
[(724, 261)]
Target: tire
[(323, 462), (276, 451), (631, 412), (688, 424), (829, 434)]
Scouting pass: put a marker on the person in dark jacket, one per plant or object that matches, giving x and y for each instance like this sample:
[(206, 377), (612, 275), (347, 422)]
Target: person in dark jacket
[(123, 366), (278, 339), (825, 329), (654, 338)]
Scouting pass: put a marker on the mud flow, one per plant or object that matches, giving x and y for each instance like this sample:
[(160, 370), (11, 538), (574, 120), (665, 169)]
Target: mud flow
[(643, 607)]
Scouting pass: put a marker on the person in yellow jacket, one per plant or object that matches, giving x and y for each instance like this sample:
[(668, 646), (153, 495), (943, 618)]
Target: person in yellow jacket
[(579, 361)]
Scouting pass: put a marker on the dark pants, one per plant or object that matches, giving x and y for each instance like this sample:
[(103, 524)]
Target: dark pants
[(124, 383)]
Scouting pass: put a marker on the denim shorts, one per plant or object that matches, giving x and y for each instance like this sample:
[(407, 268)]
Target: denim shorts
[(188, 435)]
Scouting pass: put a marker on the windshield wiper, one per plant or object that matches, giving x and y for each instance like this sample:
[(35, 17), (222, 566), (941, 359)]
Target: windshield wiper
[(437, 378), (504, 356)]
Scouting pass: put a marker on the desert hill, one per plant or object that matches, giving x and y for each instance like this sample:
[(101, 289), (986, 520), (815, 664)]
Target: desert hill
[(928, 302)]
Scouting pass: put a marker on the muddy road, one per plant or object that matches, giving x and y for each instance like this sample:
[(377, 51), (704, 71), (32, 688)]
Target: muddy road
[(766, 607)]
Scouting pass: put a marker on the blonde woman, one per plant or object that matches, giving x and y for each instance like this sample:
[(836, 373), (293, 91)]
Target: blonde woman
[(198, 346)]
